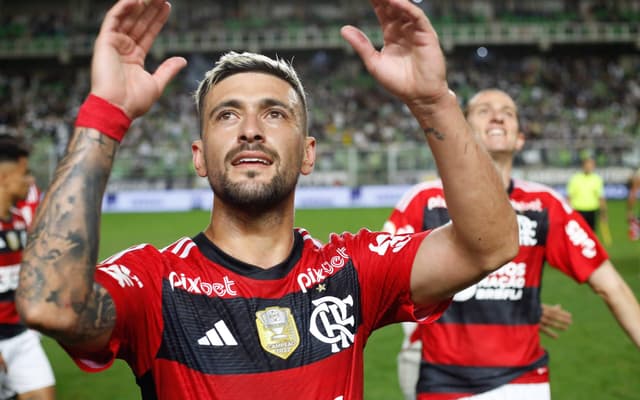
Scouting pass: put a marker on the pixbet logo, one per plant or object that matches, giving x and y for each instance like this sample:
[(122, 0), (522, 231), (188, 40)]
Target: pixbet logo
[(198, 286), (314, 276)]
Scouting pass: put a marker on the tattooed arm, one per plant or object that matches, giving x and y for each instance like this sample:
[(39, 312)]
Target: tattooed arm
[(483, 234), (57, 293)]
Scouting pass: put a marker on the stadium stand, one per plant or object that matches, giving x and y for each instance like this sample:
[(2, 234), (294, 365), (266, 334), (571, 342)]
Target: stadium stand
[(576, 64)]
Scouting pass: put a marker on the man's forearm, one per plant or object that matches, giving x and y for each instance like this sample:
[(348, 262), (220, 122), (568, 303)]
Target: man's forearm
[(624, 307), (611, 287), (57, 273), (476, 197)]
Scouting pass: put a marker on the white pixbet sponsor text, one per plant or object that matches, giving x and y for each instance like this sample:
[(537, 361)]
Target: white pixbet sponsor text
[(314, 276), (198, 286)]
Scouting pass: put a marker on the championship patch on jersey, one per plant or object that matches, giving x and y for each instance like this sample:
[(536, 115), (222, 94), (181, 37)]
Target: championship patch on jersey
[(277, 331)]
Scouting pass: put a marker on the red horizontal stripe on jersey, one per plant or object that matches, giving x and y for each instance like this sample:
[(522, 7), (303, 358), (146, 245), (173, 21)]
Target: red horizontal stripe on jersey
[(8, 313), (10, 258), (505, 345)]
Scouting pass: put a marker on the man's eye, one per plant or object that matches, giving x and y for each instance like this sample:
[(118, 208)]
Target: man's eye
[(225, 115), (276, 114)]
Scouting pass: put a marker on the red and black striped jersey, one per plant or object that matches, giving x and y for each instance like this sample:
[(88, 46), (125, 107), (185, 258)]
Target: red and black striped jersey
[(27, 207), (489, 334), (13, 237), (196, 323)]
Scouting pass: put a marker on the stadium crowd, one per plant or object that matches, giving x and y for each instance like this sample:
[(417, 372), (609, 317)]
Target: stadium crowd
[(20, 19), (568, 96)]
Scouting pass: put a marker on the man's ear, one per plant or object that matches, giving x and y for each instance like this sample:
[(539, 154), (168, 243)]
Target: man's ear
[(197, 153), (309, 159), (520, 141)]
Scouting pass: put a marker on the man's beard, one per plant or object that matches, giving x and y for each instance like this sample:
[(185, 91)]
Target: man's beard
[(252, 196)]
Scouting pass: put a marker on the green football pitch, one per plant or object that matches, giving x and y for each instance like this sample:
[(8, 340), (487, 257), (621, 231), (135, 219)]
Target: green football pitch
[(592, 360)]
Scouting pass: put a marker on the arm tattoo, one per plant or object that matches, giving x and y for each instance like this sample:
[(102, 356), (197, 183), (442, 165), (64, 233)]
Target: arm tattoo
[(435, 133), (96, 316), (61, 253)]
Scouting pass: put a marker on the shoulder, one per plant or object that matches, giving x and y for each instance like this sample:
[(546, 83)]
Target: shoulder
[(181, 248), (534, 187), (420, 191), (534, 191)]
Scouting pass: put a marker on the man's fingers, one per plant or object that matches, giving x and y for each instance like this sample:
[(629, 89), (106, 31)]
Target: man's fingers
[(129, 21), (556, 324), (147, 22), (360, 43), (117, 17), (403, 12), (154, 27), (168, 70), (548, 332)]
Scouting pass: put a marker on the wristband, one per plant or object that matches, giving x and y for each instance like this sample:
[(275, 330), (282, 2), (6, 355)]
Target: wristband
[(107, 118)]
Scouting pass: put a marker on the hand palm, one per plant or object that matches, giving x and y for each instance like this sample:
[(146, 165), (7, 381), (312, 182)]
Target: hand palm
[(119, 76)]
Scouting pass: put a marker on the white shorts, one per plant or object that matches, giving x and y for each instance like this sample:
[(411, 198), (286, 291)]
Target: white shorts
[(409, 370), (520, 391), (28, 367)]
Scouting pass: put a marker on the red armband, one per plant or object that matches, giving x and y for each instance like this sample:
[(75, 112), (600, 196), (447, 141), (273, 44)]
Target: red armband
[(103, 116)]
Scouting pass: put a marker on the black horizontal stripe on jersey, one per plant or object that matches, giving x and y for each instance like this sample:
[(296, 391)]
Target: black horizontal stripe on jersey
[(434, 217), (8, 296), (10, 330), (437, 378), (187, 317), (438, 216), (525, 311)]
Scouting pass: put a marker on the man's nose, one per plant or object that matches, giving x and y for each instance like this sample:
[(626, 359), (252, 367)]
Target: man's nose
[(250, 131)]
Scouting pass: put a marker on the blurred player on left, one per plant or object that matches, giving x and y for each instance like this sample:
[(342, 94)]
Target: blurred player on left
[(24, 367)]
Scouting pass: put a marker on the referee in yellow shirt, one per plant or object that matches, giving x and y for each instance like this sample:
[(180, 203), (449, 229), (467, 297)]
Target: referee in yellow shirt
[(585, 191)]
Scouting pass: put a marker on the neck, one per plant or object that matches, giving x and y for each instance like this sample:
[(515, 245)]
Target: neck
[(263, 239), (504, 165)]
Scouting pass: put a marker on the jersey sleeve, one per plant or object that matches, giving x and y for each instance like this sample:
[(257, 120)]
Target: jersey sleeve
[(407, 215), (133, 278), (384, 264), (572, 246), (421, 208), (402, 221)]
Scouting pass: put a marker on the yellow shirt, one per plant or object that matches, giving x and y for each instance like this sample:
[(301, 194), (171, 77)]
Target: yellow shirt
[(585, 191)]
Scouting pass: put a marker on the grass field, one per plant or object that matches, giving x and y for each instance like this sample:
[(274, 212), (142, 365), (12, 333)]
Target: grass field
[(593, 360)]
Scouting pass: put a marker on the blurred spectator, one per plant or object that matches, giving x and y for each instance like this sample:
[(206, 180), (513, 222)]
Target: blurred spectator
[(573, 99), (585, 192)]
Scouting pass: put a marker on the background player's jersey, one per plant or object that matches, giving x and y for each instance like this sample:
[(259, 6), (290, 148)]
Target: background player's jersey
[(195, 323), (13, 237), (489, 335), (27, 207)]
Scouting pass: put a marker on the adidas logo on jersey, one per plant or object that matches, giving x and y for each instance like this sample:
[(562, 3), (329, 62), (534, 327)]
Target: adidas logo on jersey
[(219, 335)]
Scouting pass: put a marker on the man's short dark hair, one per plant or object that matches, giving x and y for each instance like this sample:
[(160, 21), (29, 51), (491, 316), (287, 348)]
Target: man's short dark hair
[(12, 148)]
